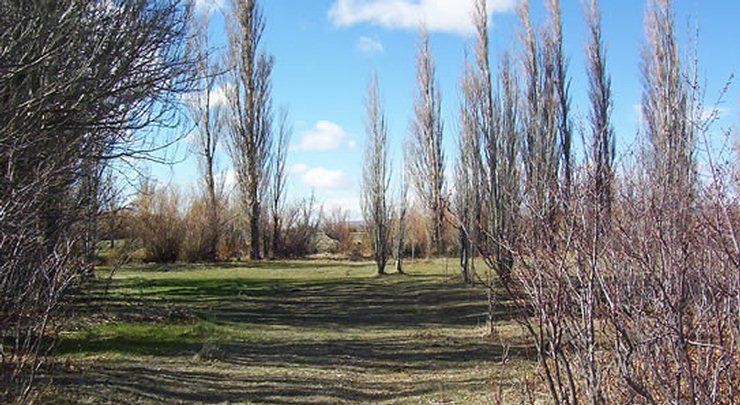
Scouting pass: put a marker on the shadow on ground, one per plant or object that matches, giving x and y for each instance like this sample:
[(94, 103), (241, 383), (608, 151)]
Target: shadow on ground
[(404, 302), (418, 342)]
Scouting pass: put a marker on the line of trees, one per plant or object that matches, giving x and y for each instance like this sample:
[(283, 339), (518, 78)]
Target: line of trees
[(626, 280), (624, 277), (163, 224)]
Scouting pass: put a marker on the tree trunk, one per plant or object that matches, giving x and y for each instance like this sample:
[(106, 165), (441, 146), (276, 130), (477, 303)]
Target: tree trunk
[(213, 218), (275, 236), (254, 232), (464, 257)]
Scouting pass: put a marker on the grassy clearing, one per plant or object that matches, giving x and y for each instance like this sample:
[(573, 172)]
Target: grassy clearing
[(300, 332)]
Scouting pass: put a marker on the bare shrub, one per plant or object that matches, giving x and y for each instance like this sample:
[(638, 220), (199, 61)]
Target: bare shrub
[(200, 232), (418, 239), (301, 225), (233, 240), (158, 224), (670, 300), (336, 225)]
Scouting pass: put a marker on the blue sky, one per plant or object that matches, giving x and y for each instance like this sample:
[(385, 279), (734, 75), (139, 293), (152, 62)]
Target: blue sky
[(325, 49)]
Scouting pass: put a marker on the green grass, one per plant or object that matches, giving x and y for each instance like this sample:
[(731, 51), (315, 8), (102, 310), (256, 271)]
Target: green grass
[(298, 332)]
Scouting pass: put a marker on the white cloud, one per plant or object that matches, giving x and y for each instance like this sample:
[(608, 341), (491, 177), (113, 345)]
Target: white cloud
[(369, 46), (227, 178), (208, 6), (325, 179), (298, 168), (220, 95), (453, 16), (325, 135), (349, 204)]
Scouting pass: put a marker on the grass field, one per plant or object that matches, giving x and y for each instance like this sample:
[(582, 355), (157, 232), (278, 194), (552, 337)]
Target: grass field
[(303, 332)]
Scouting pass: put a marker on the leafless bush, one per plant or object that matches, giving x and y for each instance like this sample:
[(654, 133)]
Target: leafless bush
[(233, 240), (79, 81), (336, 225), (301, 225), (158, 223), (418, 239), (200, 232), (34, 278), (672, 300)]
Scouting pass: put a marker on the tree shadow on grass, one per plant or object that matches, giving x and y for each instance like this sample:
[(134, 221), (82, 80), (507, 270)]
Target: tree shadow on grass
[(136, 384), (401, 303), (269, 265), (261, 369), (340, 371)]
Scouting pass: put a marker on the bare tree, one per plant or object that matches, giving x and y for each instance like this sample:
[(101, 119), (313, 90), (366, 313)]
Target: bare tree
[(467, 175), (426, 157), (556, 68), (670, 274), (376, 178), (207, 114), (279, 181), (589, 228), (495, 126), (665, 103), (402, 217), (541, 155), (602, 132), (636, 304), (250, 114)]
